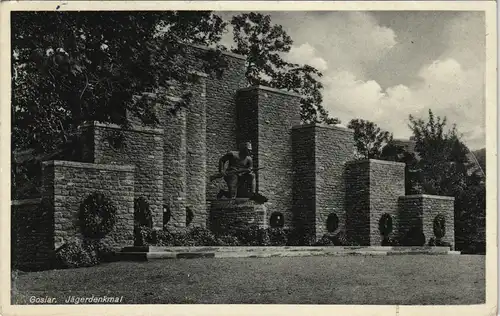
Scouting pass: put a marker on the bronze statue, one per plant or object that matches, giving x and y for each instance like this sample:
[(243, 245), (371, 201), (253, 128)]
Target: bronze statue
[(239, 174)]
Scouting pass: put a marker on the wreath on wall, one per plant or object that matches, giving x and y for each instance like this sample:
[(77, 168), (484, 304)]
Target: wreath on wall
[(97, 216), (439, 226), (385, 224), (142, 213)]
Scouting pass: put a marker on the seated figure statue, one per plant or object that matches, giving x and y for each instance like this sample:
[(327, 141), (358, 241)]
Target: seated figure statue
[(239, 174)]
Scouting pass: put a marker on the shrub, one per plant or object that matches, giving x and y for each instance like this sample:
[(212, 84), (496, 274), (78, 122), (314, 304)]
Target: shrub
[(277, 236), (228, 240), (143, 236), (252, 236), (338, 239), (437, 242), (103, 251), (201, 237), (97, 216), (390, 241), (300, 236), (75, 254), (163, 238)]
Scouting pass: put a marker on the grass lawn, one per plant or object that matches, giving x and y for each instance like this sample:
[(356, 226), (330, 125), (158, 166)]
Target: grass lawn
[(410, 279)]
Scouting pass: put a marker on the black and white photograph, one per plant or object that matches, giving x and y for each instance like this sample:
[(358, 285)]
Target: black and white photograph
[(262, 155)]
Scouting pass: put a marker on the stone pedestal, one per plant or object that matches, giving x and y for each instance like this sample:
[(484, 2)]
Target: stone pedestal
[(238, 213)]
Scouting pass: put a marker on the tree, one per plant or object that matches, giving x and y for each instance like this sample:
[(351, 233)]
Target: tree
[(264, 44), (443, 162), (370, 139), (89, 65)]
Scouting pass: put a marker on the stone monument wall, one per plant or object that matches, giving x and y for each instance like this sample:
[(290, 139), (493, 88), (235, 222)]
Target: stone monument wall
[(334, 148), (221, 116), (275, 113), (196, 155), (372, 189), (141, 147), (32, 235), (421, 210), (67, 184), (304, 178), (357, 201), (387, 184)]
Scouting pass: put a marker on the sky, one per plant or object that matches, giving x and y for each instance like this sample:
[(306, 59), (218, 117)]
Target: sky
[(383, 66)]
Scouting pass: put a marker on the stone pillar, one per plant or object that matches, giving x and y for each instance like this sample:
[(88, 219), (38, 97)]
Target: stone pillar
[(265, 117), (420, 211), (141, 147), (334, 148), (174, 167), (196, 155), (221, 115), (67, 184), (372, 190), (304, 178), (320, 154)]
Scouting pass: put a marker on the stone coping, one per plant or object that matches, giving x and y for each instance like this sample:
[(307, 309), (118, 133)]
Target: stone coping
[(427, 196), (382, 162), (85, 165), (134, 128), (319, 125), (265, 88), (26, 202), (230, 54)]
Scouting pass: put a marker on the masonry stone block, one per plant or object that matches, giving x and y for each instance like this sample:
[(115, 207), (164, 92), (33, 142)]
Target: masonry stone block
[(421, 210), (134, 147), (265, 116), (66, 206), (239, 213), (372, 190), (320, 153)]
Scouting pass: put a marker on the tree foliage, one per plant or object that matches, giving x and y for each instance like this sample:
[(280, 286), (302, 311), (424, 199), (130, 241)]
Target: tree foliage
[(370, 139), (443, 164), (89, 65), (265, 44)]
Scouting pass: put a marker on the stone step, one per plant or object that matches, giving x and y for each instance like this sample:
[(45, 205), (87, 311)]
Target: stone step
[(286, 248), (155, 253)]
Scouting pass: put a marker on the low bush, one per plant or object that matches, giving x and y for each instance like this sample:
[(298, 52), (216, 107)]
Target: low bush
[(437, 242), (75, 254), (252, 236), (199, 236), (102, 251), (144, 236), (390, 241), (163, 238), (300, 236), (338, 239), (228, 240), (277, 236)]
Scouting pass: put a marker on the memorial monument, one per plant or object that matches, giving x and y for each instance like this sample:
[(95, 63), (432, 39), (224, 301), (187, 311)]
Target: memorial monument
[(306, 175)]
